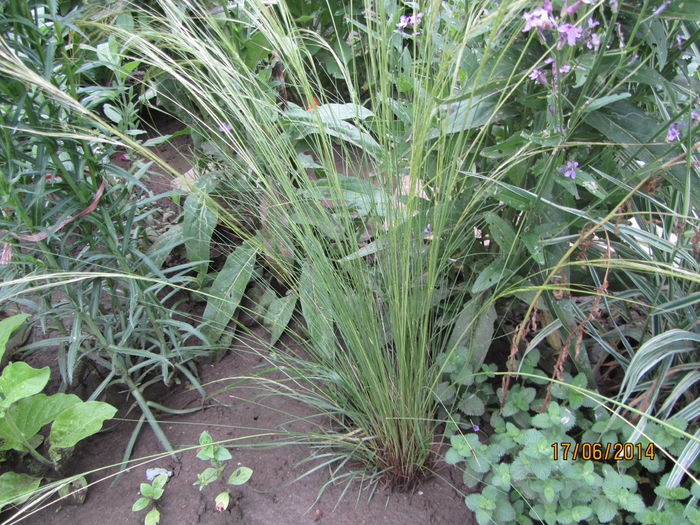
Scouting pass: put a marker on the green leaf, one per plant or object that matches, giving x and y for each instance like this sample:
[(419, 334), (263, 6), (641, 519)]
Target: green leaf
[(473, 329), (501, 232), (112, 113), (78, 422), (140, 504), (198, 224), (472, 406), (315, 307), (227, 290), (624, 123), (207, 476), (165, 243), (604, 101), (327, 121), (152, 518), (240, 476), (16, 488), (7, 328), (30, 414), (604, 509), (278, 315), (489, 276), (160, 481), (19, 380)]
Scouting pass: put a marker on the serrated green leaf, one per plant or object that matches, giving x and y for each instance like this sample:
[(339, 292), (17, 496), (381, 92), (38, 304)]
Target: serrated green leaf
[(605, 509), (472, 406)]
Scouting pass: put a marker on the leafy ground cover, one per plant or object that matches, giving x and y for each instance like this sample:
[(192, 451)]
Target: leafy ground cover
[(477, 220)]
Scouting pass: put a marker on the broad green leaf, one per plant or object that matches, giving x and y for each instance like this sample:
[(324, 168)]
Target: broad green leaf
[(472, 406), (505, 148), (501, 232), (112, 113), (30, 414), (198, 224), (7, 328), (153, 517), (278, 315), (329, 122), (227, 291), (165, 243), (489, 276), (466, 114), (160, 481), (19, 380), (207, 476), (654, 32), (316, 307), (240, 476), (140, 504), (16, 488), (473, 329), (78, 422), (589, 182)]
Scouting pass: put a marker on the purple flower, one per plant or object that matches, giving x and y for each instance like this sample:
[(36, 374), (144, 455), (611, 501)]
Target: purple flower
[(569, 34), (593, 41), (538, 18), (539, 76), (547, 5), (661, 8), (428, 230), (475, 428), (565, 69), (571, 10), (569, 170), (225, 128), (592, 22), (409, 22), (674, 131), (694, 116)]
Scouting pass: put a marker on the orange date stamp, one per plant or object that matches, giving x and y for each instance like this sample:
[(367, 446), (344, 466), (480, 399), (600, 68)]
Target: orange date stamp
[(601, 452)]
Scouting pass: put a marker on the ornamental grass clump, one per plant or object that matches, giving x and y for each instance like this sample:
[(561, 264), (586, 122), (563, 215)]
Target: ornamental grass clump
[(366, 205), (409, 168)]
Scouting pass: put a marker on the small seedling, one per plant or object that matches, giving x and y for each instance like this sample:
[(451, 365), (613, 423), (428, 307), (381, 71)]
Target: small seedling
[(150, 493), (217, 455)]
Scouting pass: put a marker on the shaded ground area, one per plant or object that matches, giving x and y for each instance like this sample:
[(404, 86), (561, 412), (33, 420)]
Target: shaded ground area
[(269, 497)]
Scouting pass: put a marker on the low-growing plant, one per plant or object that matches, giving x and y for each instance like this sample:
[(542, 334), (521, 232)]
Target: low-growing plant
[(523, 463), (217, 456), (25, 411), (150, 494)]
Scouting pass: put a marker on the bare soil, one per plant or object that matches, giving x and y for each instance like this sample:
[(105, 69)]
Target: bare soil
[(271, 497)]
